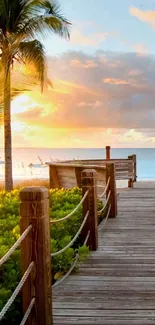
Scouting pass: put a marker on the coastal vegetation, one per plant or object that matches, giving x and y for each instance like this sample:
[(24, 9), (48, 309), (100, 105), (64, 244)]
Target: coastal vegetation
[(22, 23), (61, 203)]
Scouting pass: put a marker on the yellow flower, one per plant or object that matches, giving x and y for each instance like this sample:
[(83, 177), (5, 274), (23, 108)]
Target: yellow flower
[(58, 275)]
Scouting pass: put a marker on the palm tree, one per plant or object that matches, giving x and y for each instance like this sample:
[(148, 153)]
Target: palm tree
[(22, 22)]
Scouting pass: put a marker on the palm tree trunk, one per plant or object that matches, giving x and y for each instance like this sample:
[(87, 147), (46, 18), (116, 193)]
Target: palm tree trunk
[(7, 128)]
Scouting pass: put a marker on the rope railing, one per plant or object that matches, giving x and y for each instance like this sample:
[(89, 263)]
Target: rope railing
[(16, 245), (105, 190), (28, 312), (106, 203), (87, 237), (103, 223), (17, 290), (74, 239), (54, 221), (23, 280), (68, 273), (72, 266)]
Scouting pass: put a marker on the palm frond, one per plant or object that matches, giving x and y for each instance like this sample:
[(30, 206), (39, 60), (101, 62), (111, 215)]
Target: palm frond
[(44, 17), (33, 52)]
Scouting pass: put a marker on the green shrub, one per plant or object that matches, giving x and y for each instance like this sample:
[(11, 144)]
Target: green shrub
[(62, 202)]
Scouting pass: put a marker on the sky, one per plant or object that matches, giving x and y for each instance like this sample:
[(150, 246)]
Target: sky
[(103, 81)]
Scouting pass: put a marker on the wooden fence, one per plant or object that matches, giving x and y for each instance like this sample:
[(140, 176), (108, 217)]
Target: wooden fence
[(67, 173), (35, 225)]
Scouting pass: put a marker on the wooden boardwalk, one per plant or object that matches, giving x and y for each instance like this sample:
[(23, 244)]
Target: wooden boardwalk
[(116, 285)]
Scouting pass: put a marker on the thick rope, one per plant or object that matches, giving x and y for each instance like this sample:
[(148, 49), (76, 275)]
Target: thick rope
[(101, 186), (74, 239), (17, 290), (17, 244), (103, 223), (104, 192), (68, 273), (28, 312), (86, 239), (107, 200), (72, 213), (72, 267)]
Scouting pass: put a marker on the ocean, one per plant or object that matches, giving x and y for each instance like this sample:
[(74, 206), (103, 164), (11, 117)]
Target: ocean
[(23, 157)]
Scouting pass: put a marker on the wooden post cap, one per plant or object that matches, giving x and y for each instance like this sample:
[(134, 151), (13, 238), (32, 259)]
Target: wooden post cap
[(33, 202), (32, 193)]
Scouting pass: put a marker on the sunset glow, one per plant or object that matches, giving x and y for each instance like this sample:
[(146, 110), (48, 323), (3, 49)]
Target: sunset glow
[(103, 87)]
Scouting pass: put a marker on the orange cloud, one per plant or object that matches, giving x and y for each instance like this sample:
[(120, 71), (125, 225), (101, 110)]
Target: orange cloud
[(114, 81), (73, 87), (144, 16), (103, 97), (86, 104)]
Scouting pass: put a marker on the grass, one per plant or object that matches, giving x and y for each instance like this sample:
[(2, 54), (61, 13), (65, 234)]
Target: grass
[(29, 182)]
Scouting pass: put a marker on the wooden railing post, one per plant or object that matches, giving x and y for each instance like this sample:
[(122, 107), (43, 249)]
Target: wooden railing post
[(90, 203), (34, 209), (108, 152), (135, 167), (110, 172), (131, 180)]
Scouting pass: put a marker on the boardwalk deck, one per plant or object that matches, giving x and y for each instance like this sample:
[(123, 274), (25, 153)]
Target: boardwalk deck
[(116, 285)]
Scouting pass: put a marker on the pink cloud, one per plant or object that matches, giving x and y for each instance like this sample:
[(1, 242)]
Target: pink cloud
[(88, 64), (114, 81)]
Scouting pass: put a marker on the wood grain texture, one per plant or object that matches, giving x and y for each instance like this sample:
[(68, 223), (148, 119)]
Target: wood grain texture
[(34, 209), (90, 204), (54, 179), (125, 168), (116, 285), (110, 172)]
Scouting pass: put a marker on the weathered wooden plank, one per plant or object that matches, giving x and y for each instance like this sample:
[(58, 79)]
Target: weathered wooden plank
[(54, 179), (121, 271), (75, 279), (108, 301), (116, 285), (105, 313), (113, 320)]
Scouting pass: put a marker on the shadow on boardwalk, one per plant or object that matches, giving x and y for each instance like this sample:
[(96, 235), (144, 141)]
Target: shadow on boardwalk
[(116, 285)]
